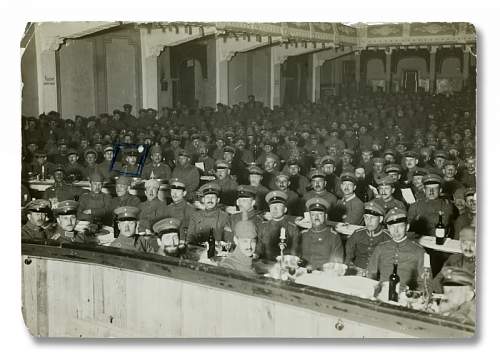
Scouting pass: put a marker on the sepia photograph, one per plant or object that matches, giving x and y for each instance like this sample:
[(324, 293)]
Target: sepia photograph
[(185, 179)]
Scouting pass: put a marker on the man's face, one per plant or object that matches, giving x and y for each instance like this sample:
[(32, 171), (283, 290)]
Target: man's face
[(346, 159), (347, 187), (282, 183), (378, 167), (151, 192), (454, 296), (84, 144), (470, 166), (67, 222), (450, 171), (127, 228), (431, 191), (317, 218), (389, 158), (90, 158), (177, 194), (386, 191), (183, 160), (328, 169), (73, 158), (398, 230), (219, 144), (121, 189), (222, 173), (228, 156), (108, 155), (417, 180), (277, 210), (58, 176), (131, 160), (372, 222), (41, 159), (210, 201), (410, 162), (246, 245), (360, 173), (36, 218), (245, 203), (95, 187), (439, 162), (156, 157), (470, 202), (395, 176), (293, 169), (255, 179), (468, 242), (269, 164), (318, 184), (366, 156), (169, 240)]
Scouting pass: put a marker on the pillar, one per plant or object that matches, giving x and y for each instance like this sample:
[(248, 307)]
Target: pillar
[(46, 47), (357, 60), (466, 65), (150, 80), (388, 65), (222, 58), (432, 70), (317, 63)]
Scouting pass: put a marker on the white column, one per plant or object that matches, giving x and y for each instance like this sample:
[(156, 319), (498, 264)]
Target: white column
[(317, 63), (149, 68), (222, 57), (357, 59), (432, 70), (465, 71), (46, 47), (388, 59)]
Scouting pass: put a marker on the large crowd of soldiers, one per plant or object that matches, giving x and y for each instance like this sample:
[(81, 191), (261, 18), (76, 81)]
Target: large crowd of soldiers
[(391, 163)]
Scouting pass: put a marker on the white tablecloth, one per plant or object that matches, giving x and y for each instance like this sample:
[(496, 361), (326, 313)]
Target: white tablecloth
[(351, 285), (450, 245)]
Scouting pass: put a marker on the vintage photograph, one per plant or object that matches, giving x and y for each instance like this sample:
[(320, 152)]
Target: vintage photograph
[(230, 179)]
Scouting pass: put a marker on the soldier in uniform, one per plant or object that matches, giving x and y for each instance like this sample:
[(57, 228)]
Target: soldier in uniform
[(255, 178), (210, 217), (73, 170), (168, 239), (153, 209), (318, 183), (320, 244), (417, 187), (187, 173), (294, 202), (127, 239), (40, 164), (179, 208), (65, 212), (156, 169), (269, 235), (35, 227), (105, 167), (399, 250), (386, 190), (327, 164), (90, 167), (424, 215), (361, 244), (246, 203), (123, 197), (60, 190), (226, 183), (298, 182), (245, 240), (459, 300), (95, 205), (351, 206), (468, 218)]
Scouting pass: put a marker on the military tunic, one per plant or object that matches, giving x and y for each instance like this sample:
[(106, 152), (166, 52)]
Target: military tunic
[(99, 205), (125, 200), (354, 209), (299, 184), (151, 212), (389, 204), (407, 254), (135, 243), (268, 239), (62, 236), (31, 232), (424, 215), (62, 192), (183, 212), (322, 246), (188, 175), (228, 192), (361, 244), (329, 197), (457, 260), (156, 171), (202, 221)]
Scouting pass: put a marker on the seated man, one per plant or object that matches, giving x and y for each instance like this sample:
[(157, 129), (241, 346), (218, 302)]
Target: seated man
[(65, 212), (350, 205), (61, 190), (123, 197), (153, 209), (95, 205), (385, 187), (156, 169), (35, 227), (127, 239), (269, 235), (468, 218), (399, 251), (167, 231), (255, 178), (226, 183), (361, 244), (459, 299), (320, 244), (245, 239), (465, 260), (179, 208)]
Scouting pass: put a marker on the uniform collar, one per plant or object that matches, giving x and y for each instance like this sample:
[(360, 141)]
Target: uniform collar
[(375, 233), (349, 198)]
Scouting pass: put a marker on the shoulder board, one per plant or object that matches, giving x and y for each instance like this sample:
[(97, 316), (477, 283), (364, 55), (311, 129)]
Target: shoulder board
[(304, 231), (55, 236)]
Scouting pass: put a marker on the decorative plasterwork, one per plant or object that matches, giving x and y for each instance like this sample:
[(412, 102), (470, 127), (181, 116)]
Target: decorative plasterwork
[(280, 53), (227, 47)]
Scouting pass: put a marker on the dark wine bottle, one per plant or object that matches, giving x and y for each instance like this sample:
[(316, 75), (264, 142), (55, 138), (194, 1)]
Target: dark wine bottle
[(211, 244), (393, 283), (116, 230), (440, 230)]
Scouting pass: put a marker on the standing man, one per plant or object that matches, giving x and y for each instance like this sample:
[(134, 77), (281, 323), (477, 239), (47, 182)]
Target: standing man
[(320, 244), (400, 251), (269, 235), (362, 243)]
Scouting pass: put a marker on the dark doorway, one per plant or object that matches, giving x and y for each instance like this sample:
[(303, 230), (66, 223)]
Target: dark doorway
[(295, 77), (410, 81), (186, 84)]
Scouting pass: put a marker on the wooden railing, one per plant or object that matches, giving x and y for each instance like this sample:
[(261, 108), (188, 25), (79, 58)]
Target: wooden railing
[(79, 290)]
